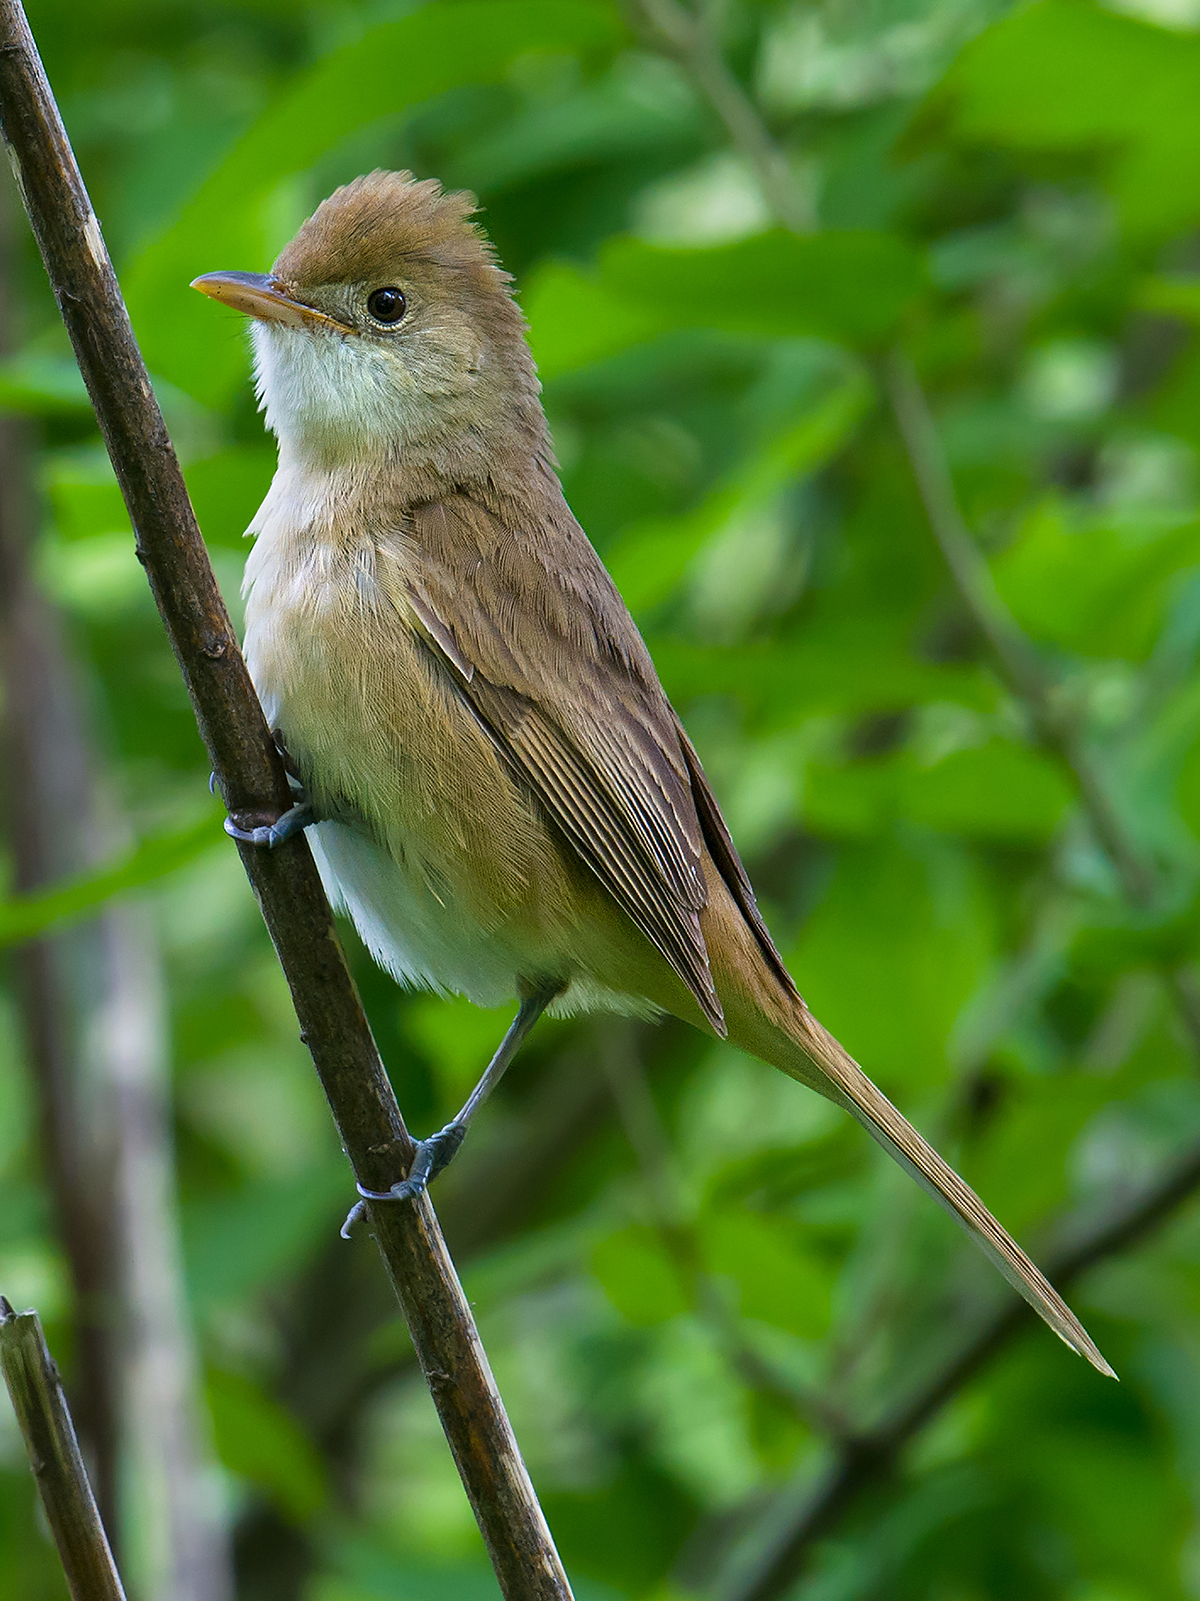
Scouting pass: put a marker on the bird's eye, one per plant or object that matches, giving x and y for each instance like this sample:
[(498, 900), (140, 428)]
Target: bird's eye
[(387, 305)]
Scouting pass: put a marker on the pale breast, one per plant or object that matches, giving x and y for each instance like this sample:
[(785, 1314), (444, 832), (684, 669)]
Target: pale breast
[(444, 862), (377, 731)]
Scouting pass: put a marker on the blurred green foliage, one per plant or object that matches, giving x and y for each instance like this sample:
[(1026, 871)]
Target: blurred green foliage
[(684, 1266)]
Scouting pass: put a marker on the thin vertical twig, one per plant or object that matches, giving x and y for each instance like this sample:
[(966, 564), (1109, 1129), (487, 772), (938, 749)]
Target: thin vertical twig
[(62, 1481), (254, 786)]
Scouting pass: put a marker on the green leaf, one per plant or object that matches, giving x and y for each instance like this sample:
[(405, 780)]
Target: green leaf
[(650, 559), (999, 791), (898, 944), (844, 664), (244, 1241), (639, 107), (24, 917), (639, 1276), (389, 71), (1179, 744), (1172, 295), (574, 319), (851, 800), (85, 497), (1023, 1162), (459, 1038), (851, 287), (256, 1439), (1092, 585), (996, 791), (1066, 75), (227, 490), (652, 1512), (778, 1281), (42, 386)]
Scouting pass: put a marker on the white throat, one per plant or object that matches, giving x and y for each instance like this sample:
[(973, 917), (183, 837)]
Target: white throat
[(334, 400)]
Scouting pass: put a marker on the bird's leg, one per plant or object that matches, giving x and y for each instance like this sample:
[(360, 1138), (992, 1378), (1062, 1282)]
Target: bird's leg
[(435, 1153)]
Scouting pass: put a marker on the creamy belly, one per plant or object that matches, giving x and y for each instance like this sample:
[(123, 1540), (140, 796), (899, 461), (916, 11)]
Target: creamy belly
[(443, 862)]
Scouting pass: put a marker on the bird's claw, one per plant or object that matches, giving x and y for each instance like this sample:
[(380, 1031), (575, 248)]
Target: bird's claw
[(294, 821), (431, 1156), (404, 1190)]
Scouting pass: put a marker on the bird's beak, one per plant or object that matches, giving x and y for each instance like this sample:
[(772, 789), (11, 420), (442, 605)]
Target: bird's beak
[(259, 295)]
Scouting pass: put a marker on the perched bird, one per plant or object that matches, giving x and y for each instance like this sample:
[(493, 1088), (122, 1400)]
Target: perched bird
[(500, 794)]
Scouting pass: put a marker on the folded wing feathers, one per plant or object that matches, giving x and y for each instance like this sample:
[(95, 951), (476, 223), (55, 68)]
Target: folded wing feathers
[(567, 788), (601, 751)]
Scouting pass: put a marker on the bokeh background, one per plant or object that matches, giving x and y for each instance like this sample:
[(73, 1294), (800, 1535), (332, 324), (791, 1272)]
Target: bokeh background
[(781, 263)]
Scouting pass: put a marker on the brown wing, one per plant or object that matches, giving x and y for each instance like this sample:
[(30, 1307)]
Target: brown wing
[(555, 669)]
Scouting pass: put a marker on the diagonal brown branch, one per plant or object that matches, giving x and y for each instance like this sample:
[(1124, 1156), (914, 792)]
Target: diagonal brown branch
[(333, 1369), (254, 786)]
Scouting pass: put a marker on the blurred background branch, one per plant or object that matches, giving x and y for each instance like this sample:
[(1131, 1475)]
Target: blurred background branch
[(863, 1458), (1056, 724), (91, 1011), (693, 37)]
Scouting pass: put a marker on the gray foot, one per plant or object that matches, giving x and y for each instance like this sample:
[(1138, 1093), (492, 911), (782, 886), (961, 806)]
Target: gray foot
[(432, 1155), (294, 821)]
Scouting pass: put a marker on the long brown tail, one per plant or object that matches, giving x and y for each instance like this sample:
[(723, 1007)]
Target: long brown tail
[(851, 1088), (777, 1027)]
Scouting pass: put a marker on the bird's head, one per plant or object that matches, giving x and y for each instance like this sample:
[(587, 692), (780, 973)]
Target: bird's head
[(387, 329)]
